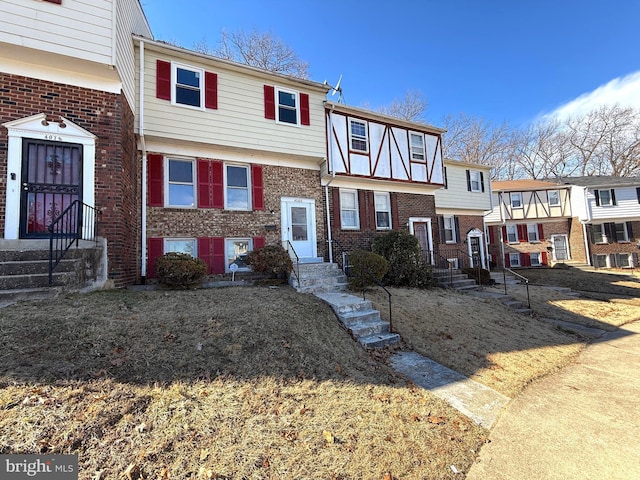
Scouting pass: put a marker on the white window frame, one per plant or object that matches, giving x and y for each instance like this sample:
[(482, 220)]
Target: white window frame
[(599, 232), (287, 107), (610, 199), (174, 84), (227, 206), (624, 232), (607, 263), (451, 227), (356, 210), (387, 198), (514, 196), (532, 229), (628, 257), (536, 259), (168, 182), (417, 151), (229, 244), (475, 177), (169, 241), (517, 262), (512, 229), (361, 138), (555, 196)]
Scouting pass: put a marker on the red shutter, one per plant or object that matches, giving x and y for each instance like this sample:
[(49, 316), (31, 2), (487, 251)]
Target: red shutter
[(205, 253), (163, 80), (257, 188), (525, 260), (210, 90), (544, 258), (336, 209), (155, 249), (395, 218), (269, 102), (258, 242), (540, 232), (217, 254), (304, 109), (155, 182), (217, 184), (205, 187), (505, 239), (507, 260), (522, 233)]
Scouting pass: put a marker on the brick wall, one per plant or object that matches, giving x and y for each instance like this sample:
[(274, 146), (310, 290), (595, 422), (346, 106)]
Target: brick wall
[(278, 182), (107, 116), (618, 247), (576, 241)]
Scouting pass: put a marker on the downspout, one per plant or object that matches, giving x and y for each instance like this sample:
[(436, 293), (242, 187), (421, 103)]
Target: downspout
[(503, 222), (584, 225), (326, 187), (143, 234)]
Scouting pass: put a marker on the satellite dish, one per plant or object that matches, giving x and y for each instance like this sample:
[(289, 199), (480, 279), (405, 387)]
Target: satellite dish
[(337, 89)]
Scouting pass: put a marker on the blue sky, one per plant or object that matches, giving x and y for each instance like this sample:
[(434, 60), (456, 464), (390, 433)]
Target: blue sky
[(503, 60)]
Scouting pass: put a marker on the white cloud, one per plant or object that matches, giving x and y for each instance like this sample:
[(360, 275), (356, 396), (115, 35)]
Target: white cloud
[(624, 91)]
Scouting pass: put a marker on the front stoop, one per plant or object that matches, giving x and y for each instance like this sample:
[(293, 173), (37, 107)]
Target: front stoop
[(360, 319), (453, 279), (319, 277)]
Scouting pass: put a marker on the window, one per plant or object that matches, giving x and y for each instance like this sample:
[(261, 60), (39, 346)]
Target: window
[(287, 106), (601, 261), (605, 198), (599, 234), (237, 187), (446, 181), (475, 179), (532, 232), (180, 184), (514, 259), (535, 259), (622, 260), (417, 146), (181, 245), (349, 209), (512, 234), (188, 87), (449, 229), (621, 232), (236, 250), (358, 134), (383, 211), (554, 198), (516, 200)]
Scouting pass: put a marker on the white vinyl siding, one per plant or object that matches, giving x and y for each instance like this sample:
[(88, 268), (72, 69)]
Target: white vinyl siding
[(239, 121), (456, 196)]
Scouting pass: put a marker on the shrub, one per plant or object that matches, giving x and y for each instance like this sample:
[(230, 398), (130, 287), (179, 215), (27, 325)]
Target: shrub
[(372, 264), (485, 275), (272, 260), (180, 270), (407, 267)]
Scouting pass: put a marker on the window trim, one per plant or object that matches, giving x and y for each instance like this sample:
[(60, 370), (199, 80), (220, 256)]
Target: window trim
[(167, 240), (168, 182), (228, 241), (610, 203), (532, 228), (423, 152), (174, 84), (607, 263), (363, 138), (296, 94), (556, 195), (248, 187), (517, 263), (356, 209), (515, 232), (452, 219), (624, 231), (518, 195), (537, 256), (478, 179), (602, 232), (388, 212)]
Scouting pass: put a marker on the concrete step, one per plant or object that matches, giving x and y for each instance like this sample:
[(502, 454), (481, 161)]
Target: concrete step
[(323, 288), (38, 280), (7, 297), (34, 266), (368, 328), (344, 302), (359, 316), (379, 340)]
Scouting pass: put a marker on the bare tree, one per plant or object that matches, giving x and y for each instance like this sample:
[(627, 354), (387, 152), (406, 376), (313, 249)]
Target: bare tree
[(544, 151), (261, 50), (412, 107)]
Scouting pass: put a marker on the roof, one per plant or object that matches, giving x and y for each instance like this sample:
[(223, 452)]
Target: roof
[(595, 181), (451, 161), (520, 185)]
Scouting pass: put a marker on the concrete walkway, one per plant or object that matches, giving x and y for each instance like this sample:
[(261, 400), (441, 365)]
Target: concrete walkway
[(581, 423)]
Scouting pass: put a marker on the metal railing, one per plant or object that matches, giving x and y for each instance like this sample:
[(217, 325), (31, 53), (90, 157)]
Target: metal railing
[(77, 222), (296, 271), (526, 282), (435, 261)]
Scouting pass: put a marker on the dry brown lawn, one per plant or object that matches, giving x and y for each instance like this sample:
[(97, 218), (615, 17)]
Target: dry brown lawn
[(233, 383)]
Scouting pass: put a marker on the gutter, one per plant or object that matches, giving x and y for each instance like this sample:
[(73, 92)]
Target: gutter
[(143, 229), (326, 187)]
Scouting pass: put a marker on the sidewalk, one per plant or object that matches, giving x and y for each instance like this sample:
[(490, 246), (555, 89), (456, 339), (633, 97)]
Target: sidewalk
[(581, 423)]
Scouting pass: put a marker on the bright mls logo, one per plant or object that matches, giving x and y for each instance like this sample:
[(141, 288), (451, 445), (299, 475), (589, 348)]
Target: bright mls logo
[(50, 467)]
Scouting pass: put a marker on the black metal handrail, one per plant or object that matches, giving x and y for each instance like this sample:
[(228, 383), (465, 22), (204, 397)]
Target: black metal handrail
[(439, 262), (77, 222), (296, 272), (526, 282), (477, 261)]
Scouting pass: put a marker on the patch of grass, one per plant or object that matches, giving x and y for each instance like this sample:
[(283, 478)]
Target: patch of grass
[(250, 382)]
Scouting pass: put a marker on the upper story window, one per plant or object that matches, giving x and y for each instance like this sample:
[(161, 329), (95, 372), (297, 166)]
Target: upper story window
[(532, 232), (180, 183), (605, 197), (475, 181), (516, 200), (383, 211), (237, 187), (358, 135), (188, 86), (512, 234), (554, 198), (349, 218), (417, 146), (287, 106), (449, 229)]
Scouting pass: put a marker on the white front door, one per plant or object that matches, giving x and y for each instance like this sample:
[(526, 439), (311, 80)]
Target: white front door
[(560, 247), (299, 226)]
